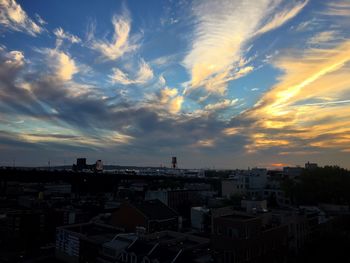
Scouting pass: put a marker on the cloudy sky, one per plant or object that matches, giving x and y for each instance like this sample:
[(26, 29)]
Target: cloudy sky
[(225, 84)]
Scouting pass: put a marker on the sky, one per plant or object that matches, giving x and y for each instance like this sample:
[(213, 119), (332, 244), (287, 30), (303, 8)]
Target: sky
[(219, 84)]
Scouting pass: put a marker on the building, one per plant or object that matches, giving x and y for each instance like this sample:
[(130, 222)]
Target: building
[(82, 242), (292, 172), (200, 218), (81, 164), (99, 166), (181, 200), (112, 249), (299, 229), (254, 206), (245, 182), (311, 166), (241, 237), (26, 227), (276, 196), (151, 215), (167, 246), (61, 189)]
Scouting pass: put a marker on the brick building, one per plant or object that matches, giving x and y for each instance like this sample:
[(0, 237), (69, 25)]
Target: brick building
[(152, 215)]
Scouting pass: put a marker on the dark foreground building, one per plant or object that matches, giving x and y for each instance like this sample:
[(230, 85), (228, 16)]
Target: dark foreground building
[(151, 215), (239, 237)]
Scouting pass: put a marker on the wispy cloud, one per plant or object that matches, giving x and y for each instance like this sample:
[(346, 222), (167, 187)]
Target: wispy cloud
[(323, 37), (120, 42), (338, 8), (62, 35), (15, 18), (221, 105), (143, 75), (205, 143), (221, 33), (282, 17)]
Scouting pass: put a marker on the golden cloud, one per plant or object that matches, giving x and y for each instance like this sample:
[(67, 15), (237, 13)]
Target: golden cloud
[(311, 99)]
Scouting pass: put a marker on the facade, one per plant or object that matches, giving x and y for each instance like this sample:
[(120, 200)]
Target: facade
[(82, 242), (245, 182), (181, 200), (298, 227), (151, 215), (277, 195), (111, 250), (254, 206), (292, 172), (239, 237), (311, 166), (199, 218), (167, 246)]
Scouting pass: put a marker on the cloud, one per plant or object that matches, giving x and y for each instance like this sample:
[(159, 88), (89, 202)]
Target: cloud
[(221, 33), (309, 106), (15, 58), (40, 20), (205, 143), (307, 25), (175, 104), (338, 8), (57, 120), (64, 65), (15, 18), (76, 139), (143, 75), (167, 94), (61, 35), (282, 17), (165, 60), (221, 105), (323, 37), (120, 42)]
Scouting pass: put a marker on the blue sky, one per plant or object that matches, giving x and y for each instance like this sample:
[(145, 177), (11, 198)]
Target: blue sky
[(226, 84)]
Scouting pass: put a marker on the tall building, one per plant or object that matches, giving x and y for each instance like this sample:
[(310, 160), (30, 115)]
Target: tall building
[(81, 164)]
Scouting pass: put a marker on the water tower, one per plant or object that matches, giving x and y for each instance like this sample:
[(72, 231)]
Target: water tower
[(174, 162)]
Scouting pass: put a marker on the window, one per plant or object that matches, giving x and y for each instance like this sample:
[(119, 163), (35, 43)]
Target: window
[(124, 256), (232, 232), (133, 258)]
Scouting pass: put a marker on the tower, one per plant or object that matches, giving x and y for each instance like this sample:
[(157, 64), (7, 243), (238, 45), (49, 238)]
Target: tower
[(174, 162)]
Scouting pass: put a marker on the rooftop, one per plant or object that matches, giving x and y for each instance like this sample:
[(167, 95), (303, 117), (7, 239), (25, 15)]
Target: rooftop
[(155, 209)]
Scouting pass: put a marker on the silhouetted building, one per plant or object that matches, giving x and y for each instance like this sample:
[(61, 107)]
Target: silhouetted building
[(151, 215), (239, 237), (99, 166), (81, 163), (311, 166), (181, 200)]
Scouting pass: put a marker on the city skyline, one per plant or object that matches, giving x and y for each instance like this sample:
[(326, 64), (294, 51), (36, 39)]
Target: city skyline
[(230, 84)]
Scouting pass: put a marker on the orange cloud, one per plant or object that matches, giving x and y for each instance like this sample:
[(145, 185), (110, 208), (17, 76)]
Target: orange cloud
[(311, 100)]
